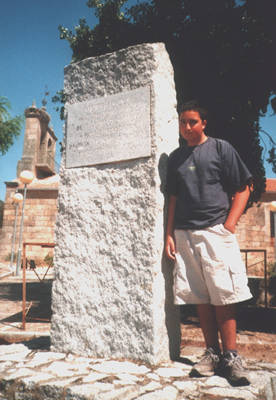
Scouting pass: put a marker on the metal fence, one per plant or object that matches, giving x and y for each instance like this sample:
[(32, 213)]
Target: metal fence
[(250, 265)]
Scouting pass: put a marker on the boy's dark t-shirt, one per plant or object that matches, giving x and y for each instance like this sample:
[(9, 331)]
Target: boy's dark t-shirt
[(203, 178)]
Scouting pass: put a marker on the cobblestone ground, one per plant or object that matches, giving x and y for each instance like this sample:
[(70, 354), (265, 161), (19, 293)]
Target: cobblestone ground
[(30, 371), (30, 374)]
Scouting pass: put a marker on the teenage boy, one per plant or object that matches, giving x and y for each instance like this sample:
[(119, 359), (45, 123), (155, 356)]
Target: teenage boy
[(208, 186)]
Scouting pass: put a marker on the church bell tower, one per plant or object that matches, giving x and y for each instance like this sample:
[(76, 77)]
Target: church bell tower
[(39, 144)]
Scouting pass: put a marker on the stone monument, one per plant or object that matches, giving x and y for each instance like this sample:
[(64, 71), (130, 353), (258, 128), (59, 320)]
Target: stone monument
[(112, 295)]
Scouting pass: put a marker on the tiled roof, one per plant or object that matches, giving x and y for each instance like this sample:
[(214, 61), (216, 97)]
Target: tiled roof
[(270, 185)]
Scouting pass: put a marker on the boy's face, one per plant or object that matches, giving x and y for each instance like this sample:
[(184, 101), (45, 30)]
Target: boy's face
[(192, 127)]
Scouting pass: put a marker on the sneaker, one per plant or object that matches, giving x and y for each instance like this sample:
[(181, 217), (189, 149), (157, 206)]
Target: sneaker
[(232, 369), (207, 365)]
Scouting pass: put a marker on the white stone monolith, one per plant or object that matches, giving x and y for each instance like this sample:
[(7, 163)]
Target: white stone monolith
[(112, 294)]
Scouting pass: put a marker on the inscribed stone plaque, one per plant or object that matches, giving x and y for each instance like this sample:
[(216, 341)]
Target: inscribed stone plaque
[(109, 129)]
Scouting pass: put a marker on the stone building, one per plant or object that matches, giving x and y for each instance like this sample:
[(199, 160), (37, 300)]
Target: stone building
[(41, 202), (255, 231)]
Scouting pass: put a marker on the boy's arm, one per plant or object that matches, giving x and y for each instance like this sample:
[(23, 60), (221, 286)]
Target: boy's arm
[(170, 244), (237, 208)]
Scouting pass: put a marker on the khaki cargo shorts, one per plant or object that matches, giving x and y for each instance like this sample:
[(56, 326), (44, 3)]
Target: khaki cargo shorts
[(209, 268)]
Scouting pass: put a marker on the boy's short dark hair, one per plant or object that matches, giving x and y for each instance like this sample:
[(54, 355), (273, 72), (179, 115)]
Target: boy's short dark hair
[(193, 105)]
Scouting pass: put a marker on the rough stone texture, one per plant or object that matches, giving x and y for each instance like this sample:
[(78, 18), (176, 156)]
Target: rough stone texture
[(112, 295)]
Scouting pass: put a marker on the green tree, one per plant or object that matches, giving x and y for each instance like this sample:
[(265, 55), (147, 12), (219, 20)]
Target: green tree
[(223, 54), (10, 127)]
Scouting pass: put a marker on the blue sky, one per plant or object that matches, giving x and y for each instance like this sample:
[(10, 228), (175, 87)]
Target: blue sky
[(33, 58)]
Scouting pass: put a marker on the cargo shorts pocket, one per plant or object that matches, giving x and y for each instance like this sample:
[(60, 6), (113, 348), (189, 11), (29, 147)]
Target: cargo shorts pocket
[(219, 278), (238, 276), (181, 283), (226, 280)]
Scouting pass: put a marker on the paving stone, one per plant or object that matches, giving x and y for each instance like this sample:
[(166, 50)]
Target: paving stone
[(185, 367), (216, 381), (267, 366), (14, 356), (90, 389), (186, 386), (269, 391), (126, 393), (229, 393), (168, 393), (76, 358), (152, 386), (117, 367), (153, 376), (273, 385), (169, 372), (37, 378), (63, 383), (61, 369), (12, 348), (44, 358), (80, 369), (19, 373), (126, 379), (5, 365), (52, 376), (93, 377), (260, 378)]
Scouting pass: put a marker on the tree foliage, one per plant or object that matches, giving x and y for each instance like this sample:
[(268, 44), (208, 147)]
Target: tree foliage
[(10, 127), (59, 99), (223, 53)]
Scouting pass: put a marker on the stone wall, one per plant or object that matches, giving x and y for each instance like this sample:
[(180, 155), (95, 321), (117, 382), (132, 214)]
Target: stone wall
[(39, 223), (254, 232), (112, 296)]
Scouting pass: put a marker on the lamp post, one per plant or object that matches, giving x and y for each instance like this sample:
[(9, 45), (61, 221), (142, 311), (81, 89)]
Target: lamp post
[(17, 198), (25, 177), (273, 209)]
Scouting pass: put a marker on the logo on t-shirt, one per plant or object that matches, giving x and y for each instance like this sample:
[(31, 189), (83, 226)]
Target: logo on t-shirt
[(191, 167)]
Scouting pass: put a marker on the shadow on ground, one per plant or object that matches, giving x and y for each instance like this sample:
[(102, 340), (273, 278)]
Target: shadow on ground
[(249, 318), (40, 343)]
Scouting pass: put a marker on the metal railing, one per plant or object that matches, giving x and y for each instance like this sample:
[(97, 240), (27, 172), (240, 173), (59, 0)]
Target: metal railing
[(264, 260), (25, 244)]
